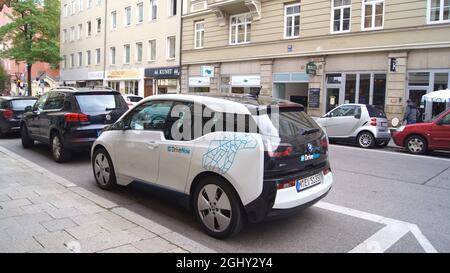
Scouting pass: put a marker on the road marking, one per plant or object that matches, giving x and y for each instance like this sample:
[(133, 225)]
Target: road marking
[(390, 152), (381, 241)]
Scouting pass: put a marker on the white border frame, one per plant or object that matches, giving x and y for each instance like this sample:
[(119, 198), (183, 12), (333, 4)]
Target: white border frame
[(341, 21), (285, 20), (149, 59), (124, 60), (168, 47), (441, 14), (363, 14), (245, 36), (195, 34), (136, 53)]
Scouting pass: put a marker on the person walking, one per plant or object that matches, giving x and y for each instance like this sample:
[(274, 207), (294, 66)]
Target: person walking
[(410, 112)]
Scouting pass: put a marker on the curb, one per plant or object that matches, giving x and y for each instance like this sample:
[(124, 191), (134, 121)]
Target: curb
[(161, 231)]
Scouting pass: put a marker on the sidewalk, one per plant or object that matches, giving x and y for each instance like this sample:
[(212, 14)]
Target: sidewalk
[(42, 212)]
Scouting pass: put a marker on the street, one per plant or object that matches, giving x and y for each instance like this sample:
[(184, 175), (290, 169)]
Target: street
[(376, 193)]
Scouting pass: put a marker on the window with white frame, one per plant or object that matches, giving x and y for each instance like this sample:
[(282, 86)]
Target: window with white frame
[(80, 5), (152, 50), (73, 10), (88, 57), (66, 10), (113, 19), (172, 7), (153, 9), (171, 46), (199, 34), (99, 25), (72, 60), (140, 12), (80, 59), (72, 34), (292, 21), (64, 62), (341, 14), (438, 11), (89, 4), (127, 16), (126, 54), (372, 14), (64, 36), (80, 29), (112, 56), (139, 52), (88, 28), (99, 2), (97, 56), (240, 28)]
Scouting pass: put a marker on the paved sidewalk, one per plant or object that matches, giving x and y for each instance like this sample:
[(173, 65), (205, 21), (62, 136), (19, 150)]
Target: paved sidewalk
[(42, 212)]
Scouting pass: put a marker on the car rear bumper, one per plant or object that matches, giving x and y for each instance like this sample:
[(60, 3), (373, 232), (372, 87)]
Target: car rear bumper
[(10, 126), (82, 137), (383, 135)]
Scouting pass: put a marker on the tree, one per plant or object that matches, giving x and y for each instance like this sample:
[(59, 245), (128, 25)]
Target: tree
[(4, 79), (33, 33)]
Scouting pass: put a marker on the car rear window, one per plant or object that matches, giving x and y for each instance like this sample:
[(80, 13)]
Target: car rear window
[(134, 99), (21, 104), (375, 112), (97, 102)]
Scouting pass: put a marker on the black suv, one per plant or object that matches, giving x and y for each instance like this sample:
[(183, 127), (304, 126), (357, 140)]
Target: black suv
[(70, 118), (11, 111)]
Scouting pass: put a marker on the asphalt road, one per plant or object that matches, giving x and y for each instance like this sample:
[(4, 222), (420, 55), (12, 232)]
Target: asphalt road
[(387, 183)]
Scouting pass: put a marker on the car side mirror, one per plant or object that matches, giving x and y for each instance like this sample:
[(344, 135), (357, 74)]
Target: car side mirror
[(29, 108), (328, 116), (120, 125)]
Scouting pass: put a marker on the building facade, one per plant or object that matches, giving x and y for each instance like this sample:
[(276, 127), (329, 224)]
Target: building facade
[(320, 53), (131, 46)]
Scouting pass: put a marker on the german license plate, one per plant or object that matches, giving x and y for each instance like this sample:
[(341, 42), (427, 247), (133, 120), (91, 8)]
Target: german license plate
[(305, 183), (384, 124)]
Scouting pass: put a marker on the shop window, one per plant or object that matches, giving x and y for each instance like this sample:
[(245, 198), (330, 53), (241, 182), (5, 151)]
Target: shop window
[(240, 29), (350, 88), (438, 11), (245, 90), (440, 81), (364, 89), (341, 13), (334, 78), (379, 90), (199, 89), (292, 21), (372, 14), (419, 79)]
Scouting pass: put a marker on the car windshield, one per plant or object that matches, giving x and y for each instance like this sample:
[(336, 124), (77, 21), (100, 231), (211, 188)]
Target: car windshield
[(97, 102), (21, 104)]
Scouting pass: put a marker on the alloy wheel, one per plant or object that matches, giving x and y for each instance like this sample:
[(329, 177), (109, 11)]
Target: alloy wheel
[(56, 147), (102, 169), (415, 145), (214, 208), (365, 140)]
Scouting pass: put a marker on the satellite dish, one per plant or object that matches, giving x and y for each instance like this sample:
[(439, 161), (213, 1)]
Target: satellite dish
[(395, 122)]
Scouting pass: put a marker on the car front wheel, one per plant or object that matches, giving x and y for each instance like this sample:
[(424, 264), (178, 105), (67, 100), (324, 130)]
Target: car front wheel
[(104, 170), (217, 208), (366, 140), (59, 152), (27, 142), (416, 145)]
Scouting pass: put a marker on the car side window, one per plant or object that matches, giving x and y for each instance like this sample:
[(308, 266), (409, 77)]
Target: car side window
[(344, 111), (39, 105), (3, 104), (55, 101), (150, 116), (446, 120)]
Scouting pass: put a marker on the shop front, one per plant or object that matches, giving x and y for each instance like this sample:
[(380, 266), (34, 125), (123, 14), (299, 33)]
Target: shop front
[(162, 80), (292, 86), (125, 81), (199, 84)]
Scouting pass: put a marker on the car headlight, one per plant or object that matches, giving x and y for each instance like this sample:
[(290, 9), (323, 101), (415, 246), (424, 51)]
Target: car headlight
[(401, 128)]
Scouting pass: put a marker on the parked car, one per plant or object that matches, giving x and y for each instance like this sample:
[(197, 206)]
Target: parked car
[(11, 111), (132, 100), (363, 124), (420, 138), (68, 118), (227, 173)]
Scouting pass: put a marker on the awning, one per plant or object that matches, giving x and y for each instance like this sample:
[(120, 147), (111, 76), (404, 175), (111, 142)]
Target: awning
[(437, 96)]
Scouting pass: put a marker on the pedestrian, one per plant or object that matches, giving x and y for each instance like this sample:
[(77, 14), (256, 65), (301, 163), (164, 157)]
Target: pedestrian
[(410, 112)]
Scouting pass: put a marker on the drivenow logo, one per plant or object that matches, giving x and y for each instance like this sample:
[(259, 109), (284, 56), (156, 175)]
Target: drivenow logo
[(310, 155)]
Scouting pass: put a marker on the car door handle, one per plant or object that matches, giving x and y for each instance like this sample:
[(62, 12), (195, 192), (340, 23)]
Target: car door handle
[(152, 145)]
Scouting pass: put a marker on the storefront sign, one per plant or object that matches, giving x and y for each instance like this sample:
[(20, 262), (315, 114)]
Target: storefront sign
[(207, 71), (123, 74), (311, 68), (393, 65), (246, 81), (162, 72), (199, 81), (314, 98), (96, 75)]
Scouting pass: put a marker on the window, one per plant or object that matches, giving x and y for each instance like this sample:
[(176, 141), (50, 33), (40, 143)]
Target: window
[(64, 62), (114, 20), (345, 111), (171, 41), (99, 25), (112, 52), (64, 36), (173, 8), (89, 4), (72, 34), (153, 9), (140, 13), (446, 120), (80, 29), (127, 16), (240, 29), (80, 5), (372, 14), (127, 52), (99, 2), (55, 101), (39, 105), (88, 57), (379, 90), (72, 60), (149, 116), (152, 50), (88, 28), (80, 59), (199, 34), (138, 52), (438, 11), (66, 11), (292, 21), (97, 56), (341, 13)]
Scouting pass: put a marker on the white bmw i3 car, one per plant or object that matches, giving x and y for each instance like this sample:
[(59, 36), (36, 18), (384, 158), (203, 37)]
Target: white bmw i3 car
[(230, 158)]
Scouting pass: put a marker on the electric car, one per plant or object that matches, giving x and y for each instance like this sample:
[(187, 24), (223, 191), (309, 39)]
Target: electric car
[(230, 158)]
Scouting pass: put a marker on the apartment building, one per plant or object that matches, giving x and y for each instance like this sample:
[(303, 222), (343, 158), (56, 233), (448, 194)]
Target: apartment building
[(321, 53), (131, 46)]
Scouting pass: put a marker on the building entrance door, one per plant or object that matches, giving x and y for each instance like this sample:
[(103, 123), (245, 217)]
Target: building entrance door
[(148, 88), (332, 99)]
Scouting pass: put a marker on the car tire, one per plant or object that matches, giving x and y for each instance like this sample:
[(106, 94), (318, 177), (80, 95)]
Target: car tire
[(59, 153), (103, 169), (416, 145), (27, 142), (218, 220), (382, 144), (366, 140)]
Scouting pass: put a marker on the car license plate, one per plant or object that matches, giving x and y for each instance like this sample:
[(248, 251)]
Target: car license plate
[(305, 183), (384, 124)]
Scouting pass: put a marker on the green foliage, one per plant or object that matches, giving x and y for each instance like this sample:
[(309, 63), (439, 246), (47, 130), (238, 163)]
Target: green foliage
[(3, 79), (33, 34)]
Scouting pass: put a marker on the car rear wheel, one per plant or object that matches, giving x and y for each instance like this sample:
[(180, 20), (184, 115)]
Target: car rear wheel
[(366, 140), (27, 142), (103, 168), (217, 208), (416, 145), (59, 152)]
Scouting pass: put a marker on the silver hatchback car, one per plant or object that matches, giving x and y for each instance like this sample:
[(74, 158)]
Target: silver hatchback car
[(364, 124)]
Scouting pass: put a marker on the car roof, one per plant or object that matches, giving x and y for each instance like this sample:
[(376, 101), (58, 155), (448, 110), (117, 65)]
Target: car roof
[(18, 98), (75, 90), (228, 103)]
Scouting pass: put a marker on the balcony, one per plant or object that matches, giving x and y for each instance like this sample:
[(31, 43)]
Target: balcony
[(224, 7)]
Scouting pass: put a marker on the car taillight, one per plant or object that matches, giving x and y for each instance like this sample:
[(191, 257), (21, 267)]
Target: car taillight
[(75, 117), (281, 152), (324, 144), (129, 104), (326, 171), (286, 185), (7, 114), (373, 121)]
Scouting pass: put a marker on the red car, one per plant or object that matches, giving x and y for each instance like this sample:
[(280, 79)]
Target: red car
[(422, 137)]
